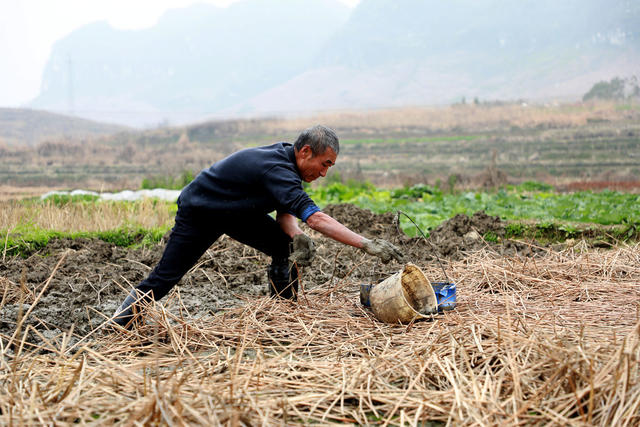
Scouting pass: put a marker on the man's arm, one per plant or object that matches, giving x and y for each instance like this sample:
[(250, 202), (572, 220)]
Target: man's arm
[(328, 226), (288, 223), (303, 247)]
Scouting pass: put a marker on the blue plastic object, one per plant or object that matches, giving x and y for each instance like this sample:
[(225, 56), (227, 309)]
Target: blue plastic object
[(445, 294), (365, 290)]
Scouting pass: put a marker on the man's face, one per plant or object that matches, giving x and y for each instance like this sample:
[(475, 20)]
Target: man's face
[(313, 167)]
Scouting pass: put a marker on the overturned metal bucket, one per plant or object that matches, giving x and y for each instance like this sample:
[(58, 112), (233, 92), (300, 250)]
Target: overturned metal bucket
[(403, 297)]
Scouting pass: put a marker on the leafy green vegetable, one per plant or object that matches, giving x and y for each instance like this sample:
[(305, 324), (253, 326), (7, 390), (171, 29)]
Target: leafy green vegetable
[(429, 206)]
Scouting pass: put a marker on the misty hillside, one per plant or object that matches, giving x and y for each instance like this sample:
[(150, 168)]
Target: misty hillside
[(24, 127), (271, 56), (403, 52), (193, 63)]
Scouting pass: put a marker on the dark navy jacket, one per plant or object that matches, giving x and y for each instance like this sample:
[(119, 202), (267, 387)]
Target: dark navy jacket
[(251, 181)]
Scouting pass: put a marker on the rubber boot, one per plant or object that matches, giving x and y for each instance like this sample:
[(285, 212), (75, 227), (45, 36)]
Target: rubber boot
[(131, 305), (283, 280)]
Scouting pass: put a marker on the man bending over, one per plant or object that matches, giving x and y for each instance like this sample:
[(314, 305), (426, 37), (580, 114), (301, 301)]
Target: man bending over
[(235, 196)]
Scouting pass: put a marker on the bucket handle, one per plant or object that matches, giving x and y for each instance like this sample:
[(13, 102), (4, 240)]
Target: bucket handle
[(435, 252)]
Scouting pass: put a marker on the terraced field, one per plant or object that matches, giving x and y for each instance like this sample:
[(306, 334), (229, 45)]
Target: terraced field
[(470, 145)]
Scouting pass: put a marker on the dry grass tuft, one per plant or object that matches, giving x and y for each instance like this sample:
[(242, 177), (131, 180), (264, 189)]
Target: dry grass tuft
[(75, 217), (533, 341)]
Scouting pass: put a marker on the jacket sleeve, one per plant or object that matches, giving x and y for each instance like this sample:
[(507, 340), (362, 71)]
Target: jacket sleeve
[(285, 186)]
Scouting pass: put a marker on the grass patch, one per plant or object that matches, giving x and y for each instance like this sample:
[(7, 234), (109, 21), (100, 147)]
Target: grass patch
[(551, 232), (65, 199), (26, 243)]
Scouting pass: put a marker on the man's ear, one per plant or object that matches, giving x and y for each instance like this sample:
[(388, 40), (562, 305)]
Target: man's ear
[(306, 151)]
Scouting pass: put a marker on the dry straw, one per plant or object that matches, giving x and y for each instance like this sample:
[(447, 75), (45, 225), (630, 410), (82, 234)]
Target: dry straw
[(548, 340), (75, 217)]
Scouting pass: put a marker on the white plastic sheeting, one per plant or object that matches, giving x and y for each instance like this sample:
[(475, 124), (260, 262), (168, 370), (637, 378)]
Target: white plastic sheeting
[(156, 193)]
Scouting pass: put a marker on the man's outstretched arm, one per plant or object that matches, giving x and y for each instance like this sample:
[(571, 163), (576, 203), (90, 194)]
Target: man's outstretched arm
[(328, 226), (331, 228)]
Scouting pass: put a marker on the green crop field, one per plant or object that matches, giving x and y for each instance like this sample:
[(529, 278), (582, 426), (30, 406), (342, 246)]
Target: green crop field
[(531, 209), (429, 206)]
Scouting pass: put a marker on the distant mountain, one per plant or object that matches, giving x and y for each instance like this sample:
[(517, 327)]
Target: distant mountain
[(193, 63), (406, 52), (270, 56), (24, 127), (380, 31)]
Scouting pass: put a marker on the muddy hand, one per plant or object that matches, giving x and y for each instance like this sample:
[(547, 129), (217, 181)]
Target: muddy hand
[(303, 250), (382, 249)]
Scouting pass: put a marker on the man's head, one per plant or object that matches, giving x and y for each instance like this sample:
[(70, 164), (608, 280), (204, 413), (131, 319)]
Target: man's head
[(316, 150)]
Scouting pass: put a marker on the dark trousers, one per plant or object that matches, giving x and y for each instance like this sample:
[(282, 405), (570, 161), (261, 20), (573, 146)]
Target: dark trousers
[(195, 231)]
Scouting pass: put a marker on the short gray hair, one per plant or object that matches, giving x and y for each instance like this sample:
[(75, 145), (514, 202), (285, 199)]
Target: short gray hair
[(319, 138)]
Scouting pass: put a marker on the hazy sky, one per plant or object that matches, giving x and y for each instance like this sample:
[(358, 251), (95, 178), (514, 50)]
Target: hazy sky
[(28, 29)]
